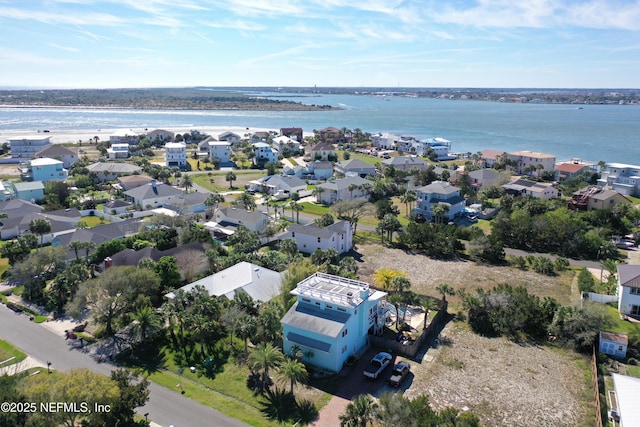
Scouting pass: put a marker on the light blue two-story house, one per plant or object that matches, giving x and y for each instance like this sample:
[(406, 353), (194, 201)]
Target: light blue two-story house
[(439, 192), (44, 170), (331, 319)]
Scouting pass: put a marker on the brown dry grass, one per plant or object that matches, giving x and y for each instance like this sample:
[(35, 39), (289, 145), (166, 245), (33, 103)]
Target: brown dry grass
[(426, 273), (504, 383)]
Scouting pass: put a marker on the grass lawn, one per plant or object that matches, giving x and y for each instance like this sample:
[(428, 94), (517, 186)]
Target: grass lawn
[(4, 265), (215, 181), (315, 208), (619, 325), (93, 221), (7, 351), (372, 160)]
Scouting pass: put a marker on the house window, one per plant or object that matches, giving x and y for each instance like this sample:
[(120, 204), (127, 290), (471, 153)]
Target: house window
[(306, 300), (329, 306), (635, 291), (344, 349), (318, 303), (293, 234), (345, 332), (344, 310), (619, 348), (635, 310), (318, 240)]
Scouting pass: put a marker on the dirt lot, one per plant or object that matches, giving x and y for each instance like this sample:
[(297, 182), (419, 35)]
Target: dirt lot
[(425, 274), (505, 383)]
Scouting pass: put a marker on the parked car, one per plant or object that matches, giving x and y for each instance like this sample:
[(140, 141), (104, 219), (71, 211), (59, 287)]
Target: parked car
[(377, 365), (400, 371)]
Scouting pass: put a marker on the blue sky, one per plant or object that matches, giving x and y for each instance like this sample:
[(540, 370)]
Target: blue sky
[(419, 43)]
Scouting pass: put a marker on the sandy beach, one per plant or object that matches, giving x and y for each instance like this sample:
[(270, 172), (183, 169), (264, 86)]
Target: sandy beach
[(84, 135)]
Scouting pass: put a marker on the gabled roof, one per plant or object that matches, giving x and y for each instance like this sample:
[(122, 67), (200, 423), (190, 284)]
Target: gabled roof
[(18, 207), (614, 337), (322, 164), (570, 167), (354, 164), (322, 146), (629, 275), (484, 174), (533, 154), (311, 318), (258, 282), (56, 150), (44, 161), (242, 214), (403, 160), (491, 154), (627, 391), (67, 213), (114, 167), (439, 187), (28, 185), (533, 186), (102, 233), (290, 180), (344, 183), (132, 257), (152, 190), (606, 194), (118, 203), (312, 229)]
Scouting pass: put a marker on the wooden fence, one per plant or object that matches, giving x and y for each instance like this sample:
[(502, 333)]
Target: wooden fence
[(596, 387), (411, 349)]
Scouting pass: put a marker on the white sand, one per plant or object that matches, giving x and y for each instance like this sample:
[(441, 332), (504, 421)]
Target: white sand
[(65, 136)]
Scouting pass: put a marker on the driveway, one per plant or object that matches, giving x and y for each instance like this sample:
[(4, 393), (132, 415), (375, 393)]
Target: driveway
[(352, 383)]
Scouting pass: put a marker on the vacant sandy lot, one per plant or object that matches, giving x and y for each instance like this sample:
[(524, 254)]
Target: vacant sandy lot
[(426, 273), (505, 383)]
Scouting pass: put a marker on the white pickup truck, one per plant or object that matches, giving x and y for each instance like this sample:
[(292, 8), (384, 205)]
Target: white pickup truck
[(377, 365)]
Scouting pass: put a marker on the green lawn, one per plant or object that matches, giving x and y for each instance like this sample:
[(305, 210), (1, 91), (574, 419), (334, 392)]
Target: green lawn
[(215, 181), (372, 160), (4, 266), (621, 326), (7, 351), (95, 220)]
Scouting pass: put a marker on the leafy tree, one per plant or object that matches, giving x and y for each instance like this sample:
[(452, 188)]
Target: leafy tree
[(107, 249), (579, 327), (115, 294), (9, 392), (384, 207), (40, 226), (37, 268), (383, 277), (486, 249), (244, 240), (586, 282), (133, 392), (17, 249), (351, 211), (325, 220), (167, 269)]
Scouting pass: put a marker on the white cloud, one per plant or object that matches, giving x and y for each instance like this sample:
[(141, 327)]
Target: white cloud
[(46, 17), (66, 48)]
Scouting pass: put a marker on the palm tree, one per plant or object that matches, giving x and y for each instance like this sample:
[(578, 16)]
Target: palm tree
[(400, 284), (76, 246), (297, 208), (40, 226), (264, 357), (445, 289), (230, 177), (360, 412), (213, 201), (246, 200), (351, 188), (146, 323), (246, 328), (428, 305), (187, 182), (293, 371), (317, 191), (388, 224), (440, 211), (408, 198)]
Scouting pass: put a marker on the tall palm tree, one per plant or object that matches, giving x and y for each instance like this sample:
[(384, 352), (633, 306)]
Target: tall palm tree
[(40, 226), (213, 201), (293, 371), (408, 198), (246, 328), (187, 182), (428, 305), (360, 412), (246, 200), (146, 323), (445, 289), (76, 246), (230, 177), (263, 358), (297, 208)]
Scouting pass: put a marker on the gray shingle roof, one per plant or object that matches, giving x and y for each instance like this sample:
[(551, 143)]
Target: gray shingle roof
[(114, 167), (311, 318), (344, 183), (149, 191), (312, 229), (242, 214), (56, 150), (629, 275), (439, 187)]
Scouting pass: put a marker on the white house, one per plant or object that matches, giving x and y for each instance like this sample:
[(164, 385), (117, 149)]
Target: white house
[(28, 146), (160, 135), (525, 187), (331, 319), (281, 143), (118, 151), (627, 390), (260, 283), (384, 141), (154, 195), (350, 187), (264, 153), (533, 163), (623, 178), (439, 192), (356, 166), (124, 136), (282, 184), (320, 169), (613, 344), (406, 163), (310, 237), (230, 137), (629, 289), (175, 154), (236, 216), (216, 149)]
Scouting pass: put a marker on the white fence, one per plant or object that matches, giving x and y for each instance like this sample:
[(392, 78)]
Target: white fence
[(601, 298)]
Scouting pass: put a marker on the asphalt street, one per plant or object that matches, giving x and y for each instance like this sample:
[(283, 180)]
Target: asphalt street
[(165, 407)]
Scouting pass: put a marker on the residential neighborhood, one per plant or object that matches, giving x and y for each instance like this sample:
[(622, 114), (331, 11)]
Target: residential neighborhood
[(321, 250)]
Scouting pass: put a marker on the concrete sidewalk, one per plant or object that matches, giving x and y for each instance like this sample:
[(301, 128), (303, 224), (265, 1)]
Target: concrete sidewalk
[(27, 363)]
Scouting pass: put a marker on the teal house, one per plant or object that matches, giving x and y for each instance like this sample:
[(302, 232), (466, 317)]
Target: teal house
[(332, 319), (31, 191), (43, 169)]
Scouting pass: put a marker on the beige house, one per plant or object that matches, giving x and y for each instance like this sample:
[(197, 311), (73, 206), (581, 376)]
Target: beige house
[(532, 163)]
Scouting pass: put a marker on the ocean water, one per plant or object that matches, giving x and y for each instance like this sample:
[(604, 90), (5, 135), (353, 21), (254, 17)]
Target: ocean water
[(589, 132)]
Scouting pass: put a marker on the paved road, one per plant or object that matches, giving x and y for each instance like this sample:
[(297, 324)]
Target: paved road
[(165, 407)]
